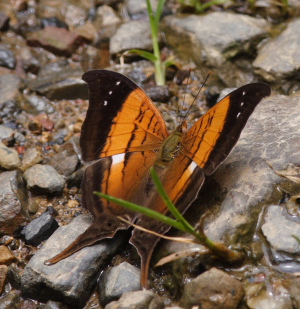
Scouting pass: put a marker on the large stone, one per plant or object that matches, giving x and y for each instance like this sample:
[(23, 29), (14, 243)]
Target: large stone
[(71, 280)]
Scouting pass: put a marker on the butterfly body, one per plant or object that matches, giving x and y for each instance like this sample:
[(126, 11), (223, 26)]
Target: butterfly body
[(124, 135)]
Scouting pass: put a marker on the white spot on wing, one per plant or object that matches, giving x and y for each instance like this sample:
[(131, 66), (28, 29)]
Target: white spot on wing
[(192, 167), (110, 92), (238, 115), (242, 103), (118, 83), (244, 92), (119, 158), (105, 103)]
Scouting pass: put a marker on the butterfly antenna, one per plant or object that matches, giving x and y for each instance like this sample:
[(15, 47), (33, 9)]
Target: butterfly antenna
[(208, 75), (186, 86)]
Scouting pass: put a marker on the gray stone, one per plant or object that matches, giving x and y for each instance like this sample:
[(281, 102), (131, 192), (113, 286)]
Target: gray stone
[(131, 35), (44, 179), (9, 88), (68, 280), (6, 133), (213, 289), (137, 300), (64, 162), (7, 58), (246, 178), (118, 280), (39, 105), (9, 158), (60, 80), (278, 228), (55, 305), (137, 9), (214, 37), (10, 205), (279, 58), (40, 229)]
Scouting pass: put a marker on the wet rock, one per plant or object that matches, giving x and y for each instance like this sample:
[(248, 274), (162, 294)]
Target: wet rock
[(70, 280), (4, 21), (133, 34), (40, 229), (138, 299), (213, 289), (7, 58), (14, 275), (229, 35), (39, 105), (60, 80), (279, 58), (9, 158), (44, 179), (8, 133), (279, 228), (64, 162), (118, 280), (3, 275), (59, 41), (54, 22), (10, 301), (6, 256), (258, 296), (31, 157)]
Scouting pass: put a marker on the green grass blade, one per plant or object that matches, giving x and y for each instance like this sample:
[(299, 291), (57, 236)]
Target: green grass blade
[(188, 228), (147, 55), (143, 210), (159, 11)]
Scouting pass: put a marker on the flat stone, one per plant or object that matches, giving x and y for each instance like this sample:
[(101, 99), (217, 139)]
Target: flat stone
[(40, 229), (44, 179), (9, 158), (60, 80), (279, 58), (10, 301), (70, 279), (214, 37), (6, 256), (118, 280), (64, 162), (138, 299), (213, 289), (131, 35), (279, 227), (39, 104), (59, 41)]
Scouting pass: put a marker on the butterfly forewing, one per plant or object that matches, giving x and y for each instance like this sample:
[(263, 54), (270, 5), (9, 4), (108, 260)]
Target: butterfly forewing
[(121, 118), (214, 135)]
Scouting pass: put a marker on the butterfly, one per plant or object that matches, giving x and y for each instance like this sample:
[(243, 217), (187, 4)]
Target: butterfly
[(124, 135)]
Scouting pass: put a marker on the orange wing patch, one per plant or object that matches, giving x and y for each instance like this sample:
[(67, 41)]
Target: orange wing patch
[(137, 127)]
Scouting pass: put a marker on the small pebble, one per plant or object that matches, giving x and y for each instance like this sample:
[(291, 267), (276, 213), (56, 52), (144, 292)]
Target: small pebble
[(6, 256), (3, 275)]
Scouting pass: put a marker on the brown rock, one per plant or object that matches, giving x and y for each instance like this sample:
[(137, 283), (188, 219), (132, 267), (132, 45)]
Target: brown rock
[(59, 41), (213, 289), (3, 275), (6, 257)]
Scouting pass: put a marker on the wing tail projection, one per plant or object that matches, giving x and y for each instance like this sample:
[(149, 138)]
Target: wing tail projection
[(182, 185)]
